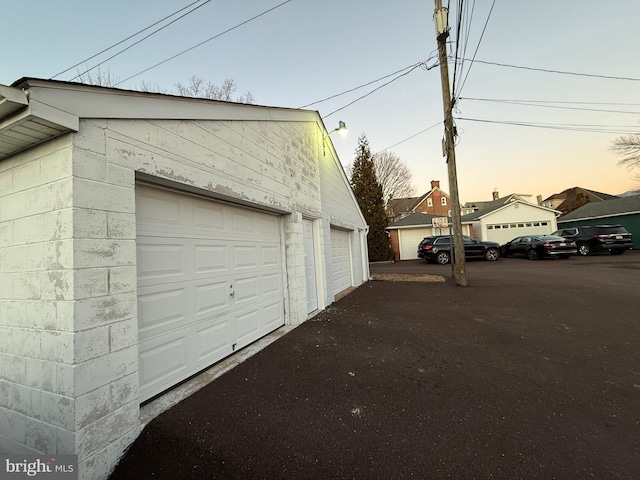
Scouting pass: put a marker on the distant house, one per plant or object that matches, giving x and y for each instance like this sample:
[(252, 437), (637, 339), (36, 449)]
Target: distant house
[(409, 231), (624, 211), (508, 217), (573, 198), (435, 202)]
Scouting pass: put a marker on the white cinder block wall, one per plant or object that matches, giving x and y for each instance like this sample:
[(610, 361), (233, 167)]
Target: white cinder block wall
[(68, 321), (37, 401)]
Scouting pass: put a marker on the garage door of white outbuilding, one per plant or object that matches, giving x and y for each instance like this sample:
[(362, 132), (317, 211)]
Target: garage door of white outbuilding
[(409, 239), (340, 260), (210, 281)]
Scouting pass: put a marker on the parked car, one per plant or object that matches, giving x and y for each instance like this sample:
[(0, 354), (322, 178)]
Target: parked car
[(437, 249), (539, 246), (599, 238)]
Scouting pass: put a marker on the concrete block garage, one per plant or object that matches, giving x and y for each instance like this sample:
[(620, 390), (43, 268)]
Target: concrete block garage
[(145, 237)]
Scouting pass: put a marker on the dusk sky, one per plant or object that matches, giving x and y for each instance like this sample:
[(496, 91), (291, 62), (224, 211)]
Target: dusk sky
[(304, 51)]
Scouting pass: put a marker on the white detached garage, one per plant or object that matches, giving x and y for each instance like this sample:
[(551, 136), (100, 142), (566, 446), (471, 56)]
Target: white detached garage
[(143, 238)]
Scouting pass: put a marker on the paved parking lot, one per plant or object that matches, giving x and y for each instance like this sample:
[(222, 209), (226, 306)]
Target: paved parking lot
[(532, 372)]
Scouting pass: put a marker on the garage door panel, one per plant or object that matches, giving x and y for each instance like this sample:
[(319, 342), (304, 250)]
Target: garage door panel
[(270, 256), (246, 289), (156, 211), (208, 217), (212, 341), (242, 222), (248, 326), (212, 298), (245, 256), (271, 284), (210, 259), (164, 261), (272, 315), (162, 361), (161, 308)]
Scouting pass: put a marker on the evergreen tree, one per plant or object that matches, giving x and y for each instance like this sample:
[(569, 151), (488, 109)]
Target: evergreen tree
[(368, 192)]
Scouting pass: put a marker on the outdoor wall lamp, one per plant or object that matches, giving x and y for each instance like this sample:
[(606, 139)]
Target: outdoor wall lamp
[(342, 128)]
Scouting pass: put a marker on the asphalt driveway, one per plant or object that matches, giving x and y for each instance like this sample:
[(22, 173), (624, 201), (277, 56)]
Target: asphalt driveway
[(532, 372)]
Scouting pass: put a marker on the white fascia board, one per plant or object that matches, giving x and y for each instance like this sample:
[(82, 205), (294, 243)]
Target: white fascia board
[(11, 100), (99, 102)]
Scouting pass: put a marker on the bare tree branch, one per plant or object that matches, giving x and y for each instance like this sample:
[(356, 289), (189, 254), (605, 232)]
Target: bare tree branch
[(628, 147), (394, 176), (100, 78), (198, 88)]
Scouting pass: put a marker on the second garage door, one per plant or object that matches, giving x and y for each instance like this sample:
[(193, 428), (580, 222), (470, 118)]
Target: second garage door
[(210, 281), (340, 260)]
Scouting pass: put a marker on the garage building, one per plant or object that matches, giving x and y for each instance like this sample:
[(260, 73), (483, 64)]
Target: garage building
[(143, 238)]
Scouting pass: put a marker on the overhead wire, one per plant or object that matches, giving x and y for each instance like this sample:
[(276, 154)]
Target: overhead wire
[(559, 126), (361, 86), (484, 29), (203, 42), (126, 39), (544, 105), (377, 88), (561, 72), (141, 40)]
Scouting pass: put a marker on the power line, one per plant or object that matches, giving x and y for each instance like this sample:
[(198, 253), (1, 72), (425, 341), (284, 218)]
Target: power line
[(124, 40), (546, 101), (141, 40), (559, 71), (476, 51), (527, 104), (376, 89), (412, 136), (617, 129), (202, 43), (363, 85)]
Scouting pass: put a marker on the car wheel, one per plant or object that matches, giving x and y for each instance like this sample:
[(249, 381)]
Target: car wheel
[(532, 254), (564, 257), (584, 249), (442, 258), (491, 254), (617, 251)]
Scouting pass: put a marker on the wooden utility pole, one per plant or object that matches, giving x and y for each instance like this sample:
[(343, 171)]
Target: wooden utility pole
[(458, 267)]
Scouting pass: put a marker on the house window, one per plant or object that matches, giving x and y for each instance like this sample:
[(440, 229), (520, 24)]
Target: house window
[(444, 200), (429, 202), (544, 224), (489, 227), (520, 225)]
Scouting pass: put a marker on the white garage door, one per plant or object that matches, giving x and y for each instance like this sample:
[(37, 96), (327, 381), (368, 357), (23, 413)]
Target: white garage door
[(504, 233), (409, 239), (209, 283), (340, 260)]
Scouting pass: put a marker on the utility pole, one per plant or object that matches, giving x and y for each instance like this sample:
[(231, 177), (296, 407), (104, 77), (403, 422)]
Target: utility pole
[(458, 265)]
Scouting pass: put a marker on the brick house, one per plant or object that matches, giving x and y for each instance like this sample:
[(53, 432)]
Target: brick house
[(435, 202), (143, 238)]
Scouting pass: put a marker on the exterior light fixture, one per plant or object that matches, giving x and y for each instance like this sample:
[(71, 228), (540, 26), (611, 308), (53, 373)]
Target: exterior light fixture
[(342, 128)]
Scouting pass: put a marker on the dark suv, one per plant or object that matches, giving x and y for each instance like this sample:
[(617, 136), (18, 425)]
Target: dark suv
[(599, 238), (438, 249)]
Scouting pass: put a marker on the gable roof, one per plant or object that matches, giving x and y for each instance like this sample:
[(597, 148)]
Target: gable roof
[(608, 208), (34, 110), (399, 205), (414, 220), (499, 204), (568, 191)]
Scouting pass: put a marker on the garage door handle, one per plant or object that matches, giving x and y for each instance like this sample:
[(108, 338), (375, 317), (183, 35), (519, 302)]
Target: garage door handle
[(232, 294)]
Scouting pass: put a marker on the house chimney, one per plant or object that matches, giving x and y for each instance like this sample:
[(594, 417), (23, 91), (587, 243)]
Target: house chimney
[(495, 195), (539, 199), (435, 183)]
